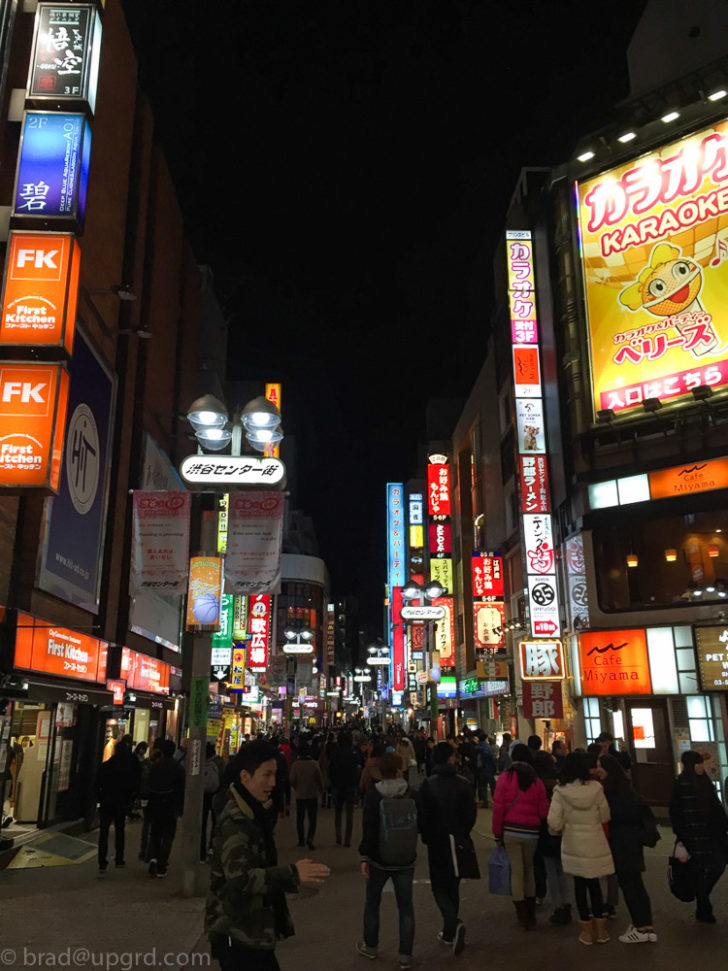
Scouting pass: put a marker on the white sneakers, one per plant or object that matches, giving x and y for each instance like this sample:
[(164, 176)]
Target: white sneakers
[(634, 936)]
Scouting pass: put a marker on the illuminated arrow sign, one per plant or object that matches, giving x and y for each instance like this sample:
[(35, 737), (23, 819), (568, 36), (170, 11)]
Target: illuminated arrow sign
[(221, 673), (229, 470), (422, 613)]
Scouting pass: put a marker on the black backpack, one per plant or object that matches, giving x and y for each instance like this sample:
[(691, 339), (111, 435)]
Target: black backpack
[(397, 831)]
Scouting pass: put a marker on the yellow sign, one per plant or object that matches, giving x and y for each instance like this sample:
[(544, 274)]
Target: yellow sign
[(273, 394), (654, 248), (417, 537), (441, 571)]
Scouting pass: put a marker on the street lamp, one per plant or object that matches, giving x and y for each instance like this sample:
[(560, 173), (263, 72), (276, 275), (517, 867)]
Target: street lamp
[(260, 419), (430, 591), (298, 641)]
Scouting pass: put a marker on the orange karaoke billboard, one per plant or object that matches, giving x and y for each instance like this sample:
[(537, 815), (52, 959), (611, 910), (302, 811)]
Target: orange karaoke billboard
[(653, 237)]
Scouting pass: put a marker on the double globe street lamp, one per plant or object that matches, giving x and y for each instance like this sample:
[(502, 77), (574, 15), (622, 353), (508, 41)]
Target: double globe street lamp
[(433, 590), (259, 420)]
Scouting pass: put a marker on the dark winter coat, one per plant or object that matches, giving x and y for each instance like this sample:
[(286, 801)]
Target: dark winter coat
[(166, 785), (118, 782), (703, 832), (390, 788), (447, 805), (344, 770), (625, 832)]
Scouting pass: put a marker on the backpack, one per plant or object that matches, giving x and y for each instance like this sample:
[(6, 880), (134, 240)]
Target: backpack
[(397, 831), (211, 778)]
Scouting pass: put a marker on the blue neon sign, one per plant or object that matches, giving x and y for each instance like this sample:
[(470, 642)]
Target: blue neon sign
[(396, 543), (52, 176)]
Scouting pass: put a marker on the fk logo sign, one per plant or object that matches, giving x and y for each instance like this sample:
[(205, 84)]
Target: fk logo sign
[(24, 391)]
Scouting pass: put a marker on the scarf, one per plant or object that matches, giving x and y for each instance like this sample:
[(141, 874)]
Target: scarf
[(263, 818)]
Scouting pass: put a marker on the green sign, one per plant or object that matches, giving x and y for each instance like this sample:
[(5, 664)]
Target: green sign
[(198, 703), (223, 637)]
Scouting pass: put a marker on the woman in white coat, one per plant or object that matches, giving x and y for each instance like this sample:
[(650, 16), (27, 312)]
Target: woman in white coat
[(579, 811)]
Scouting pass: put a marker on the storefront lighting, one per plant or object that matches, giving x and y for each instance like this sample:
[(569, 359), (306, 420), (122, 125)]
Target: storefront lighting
[(670, 116), (717, 95), (627, 137), (670, 555), (713, 551), (632, 560), (585, 157)]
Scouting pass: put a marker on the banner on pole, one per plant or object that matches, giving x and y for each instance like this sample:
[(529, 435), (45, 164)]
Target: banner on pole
[(161, 540), (255, 537)]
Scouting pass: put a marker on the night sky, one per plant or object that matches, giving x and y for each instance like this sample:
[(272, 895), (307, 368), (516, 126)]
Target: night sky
[(344, 167)]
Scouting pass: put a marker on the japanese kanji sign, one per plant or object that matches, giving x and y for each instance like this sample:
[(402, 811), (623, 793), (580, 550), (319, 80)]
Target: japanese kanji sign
[(445, 632), (489, 621), (487, 574), (654, 243), (438, 490), (259, 630), (396, 540), (542, 699), (229, 470), (541, 660), (160, 542), (237, 670), (440, 539), (65, 60), (255, 537), (398, 658), (539, 543), (534, 484)]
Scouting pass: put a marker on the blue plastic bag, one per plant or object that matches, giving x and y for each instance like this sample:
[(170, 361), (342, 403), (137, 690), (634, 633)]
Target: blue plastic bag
[(499, 872)]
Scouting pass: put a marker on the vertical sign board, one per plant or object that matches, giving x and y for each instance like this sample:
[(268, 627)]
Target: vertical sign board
[(74, 522), (398, 664), (439, 499), (273, 394), (488, 601), (66, 48), (396, 560), (40, 290), (52, 175), (259, 628), (204, 593), (33, 402), (536, 522)]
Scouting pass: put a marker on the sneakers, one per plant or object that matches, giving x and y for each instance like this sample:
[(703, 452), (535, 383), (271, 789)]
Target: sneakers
[(635, 936), (103, 867), (366, 952), (152, 868), (610, 912), (404, 962), (459, 943), (443, 940)]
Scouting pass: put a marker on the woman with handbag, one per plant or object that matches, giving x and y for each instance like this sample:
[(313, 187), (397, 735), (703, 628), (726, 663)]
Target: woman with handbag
[(520, 804), (700, 824), (626, 844), (579, 811)]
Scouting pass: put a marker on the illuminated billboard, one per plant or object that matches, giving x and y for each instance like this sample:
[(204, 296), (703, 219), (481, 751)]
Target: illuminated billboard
[(396, 542), (66, 50), (654, 249)]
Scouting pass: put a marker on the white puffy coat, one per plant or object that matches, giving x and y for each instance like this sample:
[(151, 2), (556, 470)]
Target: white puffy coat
[(578, 811)]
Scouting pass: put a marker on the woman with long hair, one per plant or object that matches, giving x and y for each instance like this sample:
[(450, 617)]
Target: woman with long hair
[(520, 804), (579, 811), (700, 824), (625, 842)]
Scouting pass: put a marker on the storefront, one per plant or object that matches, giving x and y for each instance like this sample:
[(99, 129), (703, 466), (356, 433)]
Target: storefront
[(50, 727), (660, 691)]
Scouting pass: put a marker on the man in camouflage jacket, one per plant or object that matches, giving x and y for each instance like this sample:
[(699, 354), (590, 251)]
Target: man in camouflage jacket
[(246, 906)]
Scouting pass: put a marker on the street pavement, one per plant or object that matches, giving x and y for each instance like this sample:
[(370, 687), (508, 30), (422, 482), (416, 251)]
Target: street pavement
[(70, 917)]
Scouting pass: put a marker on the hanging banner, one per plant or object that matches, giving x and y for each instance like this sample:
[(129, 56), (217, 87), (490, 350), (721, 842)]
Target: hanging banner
[(255, 537), (204, 593), (66, 49), (33, 401), (445, 632), (160, 542)]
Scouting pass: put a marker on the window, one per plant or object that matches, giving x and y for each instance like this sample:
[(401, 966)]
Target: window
[(592, 719)]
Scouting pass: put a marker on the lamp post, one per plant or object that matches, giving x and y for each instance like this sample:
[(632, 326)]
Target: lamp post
[(378, 655), (430, 591), (214, 431)]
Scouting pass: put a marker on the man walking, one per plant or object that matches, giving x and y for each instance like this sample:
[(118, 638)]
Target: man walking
[(165, 786), (388, 850), (307, 782), (448, 813), (246, 906), (117, 785), (344, 775)]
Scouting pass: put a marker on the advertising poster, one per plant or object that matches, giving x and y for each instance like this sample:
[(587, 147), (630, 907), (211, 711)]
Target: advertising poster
[(445, 633), (204, 593), (654, 249), (531, 426), (73, 526), (52, 174), (489, 620), (526, 371), (160, 542), (255, 537)]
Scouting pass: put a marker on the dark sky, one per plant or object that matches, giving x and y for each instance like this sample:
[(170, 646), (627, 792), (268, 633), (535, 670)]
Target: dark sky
[(345, 167)]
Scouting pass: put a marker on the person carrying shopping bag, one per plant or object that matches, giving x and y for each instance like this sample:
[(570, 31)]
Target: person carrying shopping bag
[(579, 811), (519, 806)]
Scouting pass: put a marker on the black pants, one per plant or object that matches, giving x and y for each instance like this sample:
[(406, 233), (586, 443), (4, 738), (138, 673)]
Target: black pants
[(707, 877), (593, 887), (163, 826), (446, 891), (344, 800), (636, 897), (232, 956), (303, 807), (207, 810), (106, 818), (539, 874), (144, 839)]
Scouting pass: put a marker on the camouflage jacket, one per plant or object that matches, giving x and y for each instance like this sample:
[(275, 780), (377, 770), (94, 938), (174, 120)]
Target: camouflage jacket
[(246, 901)]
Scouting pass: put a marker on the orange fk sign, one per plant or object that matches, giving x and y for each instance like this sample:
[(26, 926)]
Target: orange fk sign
[(33, 401), (41, 290)]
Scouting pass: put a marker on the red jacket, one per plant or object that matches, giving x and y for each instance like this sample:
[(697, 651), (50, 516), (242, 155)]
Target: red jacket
[(513, 805)]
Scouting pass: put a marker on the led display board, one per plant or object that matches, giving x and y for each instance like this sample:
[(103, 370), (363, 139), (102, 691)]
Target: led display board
[(52, 174), (654, 250)]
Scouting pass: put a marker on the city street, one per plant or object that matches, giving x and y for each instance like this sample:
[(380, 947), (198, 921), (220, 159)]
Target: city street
[(63, 910)]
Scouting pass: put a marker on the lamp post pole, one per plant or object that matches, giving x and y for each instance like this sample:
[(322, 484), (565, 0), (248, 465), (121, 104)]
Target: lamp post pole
[(434, 706)]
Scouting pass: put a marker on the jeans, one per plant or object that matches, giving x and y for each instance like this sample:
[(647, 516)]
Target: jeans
[(344, 800), (558, 884), (581, 886), (446, 891), (303, 807), (521, 852), (106, 818), (636, 897), (233, 956), (402, 882), (163, 826)]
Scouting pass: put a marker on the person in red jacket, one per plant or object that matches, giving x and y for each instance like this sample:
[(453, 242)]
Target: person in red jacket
[(520, 805)]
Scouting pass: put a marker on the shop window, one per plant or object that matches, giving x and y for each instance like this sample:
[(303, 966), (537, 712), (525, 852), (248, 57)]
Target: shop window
[(662, 661), (688, 682), (700, 720), (685, 658), (592, 719), (683, 636), (643, 728), (673, 561)]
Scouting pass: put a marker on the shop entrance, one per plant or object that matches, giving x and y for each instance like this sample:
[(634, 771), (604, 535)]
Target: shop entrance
[(648, 732)]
